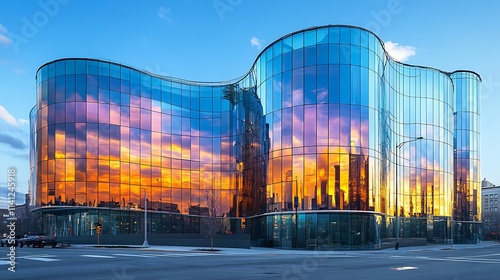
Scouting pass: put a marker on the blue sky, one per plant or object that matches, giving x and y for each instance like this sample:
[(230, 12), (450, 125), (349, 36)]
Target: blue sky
[(216, 40)]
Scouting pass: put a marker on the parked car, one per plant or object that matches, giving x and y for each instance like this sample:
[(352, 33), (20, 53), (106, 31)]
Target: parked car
[(10, 241), (26, 240), (39, 241)]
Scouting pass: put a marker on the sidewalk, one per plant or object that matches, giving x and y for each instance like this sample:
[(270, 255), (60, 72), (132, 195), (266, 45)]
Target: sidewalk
[(437, 247), (202, 250), (273, 251)]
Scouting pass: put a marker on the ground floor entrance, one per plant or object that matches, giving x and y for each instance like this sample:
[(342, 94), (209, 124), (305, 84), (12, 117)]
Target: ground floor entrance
[(302, 230)]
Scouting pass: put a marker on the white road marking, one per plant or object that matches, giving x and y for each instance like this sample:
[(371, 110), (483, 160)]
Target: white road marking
[(478, 257), (404, 268), (472, 259), (97, 256), (155, 255), (133, 255), (174, 255), (190, 254), (39, 257), (498, 254), (36, 256), (460, 260), (43, 259)]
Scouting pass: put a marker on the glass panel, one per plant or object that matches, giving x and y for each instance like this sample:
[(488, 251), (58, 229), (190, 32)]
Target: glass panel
[(345, 84), (322, 54), (310, 90), (310, 125), (322, 36), (345, 36), (298, 41), (298, 87), (287, 61), (310, 38), (298, 126), (286, 91), (310, 55), (286, 129), (322, 124), (298, 58)]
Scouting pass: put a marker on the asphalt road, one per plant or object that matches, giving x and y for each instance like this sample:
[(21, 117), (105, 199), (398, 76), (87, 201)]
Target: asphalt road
[(79, 262)]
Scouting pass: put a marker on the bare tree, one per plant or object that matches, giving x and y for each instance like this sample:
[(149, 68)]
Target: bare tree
[(213, 220)]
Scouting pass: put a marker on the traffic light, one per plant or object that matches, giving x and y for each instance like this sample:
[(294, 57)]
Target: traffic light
[(99, 229)]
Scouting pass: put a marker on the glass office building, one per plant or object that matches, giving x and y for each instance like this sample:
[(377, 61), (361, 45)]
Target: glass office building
[(314, 148)]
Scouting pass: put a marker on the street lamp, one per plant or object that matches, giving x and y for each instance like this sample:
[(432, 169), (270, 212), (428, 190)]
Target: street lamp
[(145, 244), (397, 167), (239, 179), (296, 204)]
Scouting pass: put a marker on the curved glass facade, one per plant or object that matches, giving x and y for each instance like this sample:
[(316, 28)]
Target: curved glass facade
[(467, 180), (318, 125)]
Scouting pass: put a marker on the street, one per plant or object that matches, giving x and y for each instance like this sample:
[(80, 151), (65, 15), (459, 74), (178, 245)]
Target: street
[(161, 262)]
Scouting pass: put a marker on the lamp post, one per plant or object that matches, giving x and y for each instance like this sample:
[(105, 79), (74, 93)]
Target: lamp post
[(295, 205), (145, 244), (239, 168), (239, 185), (158, 189), (397, 167), (455, 210), (296, 202)]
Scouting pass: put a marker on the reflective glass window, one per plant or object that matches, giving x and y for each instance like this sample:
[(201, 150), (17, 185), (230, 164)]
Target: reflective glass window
[(334, 84), (298, 87), (322, 54), (345, 84), (345, 36), (310, 55), (310, 38), (333, 34), (298, 41), (298, 58), (322, 36), (103, 69), (310, 90), (333, 54)]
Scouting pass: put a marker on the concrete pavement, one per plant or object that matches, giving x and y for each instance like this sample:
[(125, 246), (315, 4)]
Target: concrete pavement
[(262, 250)]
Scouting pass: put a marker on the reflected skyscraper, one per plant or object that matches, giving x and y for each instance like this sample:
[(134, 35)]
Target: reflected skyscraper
[(318, 117)]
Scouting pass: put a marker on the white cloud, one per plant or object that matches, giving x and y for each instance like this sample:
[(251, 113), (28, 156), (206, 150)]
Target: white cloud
[(399, 53), (19, 71), (256, 42), (8, 118), (165, 14), (3, 29), (4, 40), (23, 121)]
